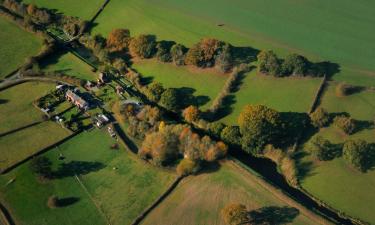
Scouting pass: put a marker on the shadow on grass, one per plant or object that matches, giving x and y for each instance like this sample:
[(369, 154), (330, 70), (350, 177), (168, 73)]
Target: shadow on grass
[(77, 168), (209, 167), (3, 101), (64, 202), (273, 215)]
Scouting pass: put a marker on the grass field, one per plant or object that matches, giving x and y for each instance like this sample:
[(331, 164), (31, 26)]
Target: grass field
[(84, 9), (206, 85), (16, 109), (282, 94), (69, 65), (199, 199), (122, 193), (16, 46), (338, 31), (334, 181)]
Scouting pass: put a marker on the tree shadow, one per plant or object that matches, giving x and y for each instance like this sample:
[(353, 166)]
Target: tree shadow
[(77, 168), (304, 167), (209, 167), (292, 125), (244, 54), (273, 215), (324, 68), (64, 202), (363, 125), (46, 61), (3, 101), (186, 94)]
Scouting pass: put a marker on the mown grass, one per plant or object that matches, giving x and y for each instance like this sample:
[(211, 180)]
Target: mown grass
[(205, 85), (283, 26), (84, 9), (70, 65), (16, 109), (16, 45), (17, 146), (122, 186), (283, 94), (199, 199)]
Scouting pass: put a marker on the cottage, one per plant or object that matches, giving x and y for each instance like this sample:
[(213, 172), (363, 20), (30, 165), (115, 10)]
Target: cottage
[(74, 98)]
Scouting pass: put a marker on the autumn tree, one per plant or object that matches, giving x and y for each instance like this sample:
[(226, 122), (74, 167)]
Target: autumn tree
[(203, 54), (269, 63), (231, 135), (191, 114), (259, 125), (178, 54), (142, 46), (154, 91), (187, 167), (53, 202), (118, 39), (235, 214), (163, 51), (345, 123), (319, 118)]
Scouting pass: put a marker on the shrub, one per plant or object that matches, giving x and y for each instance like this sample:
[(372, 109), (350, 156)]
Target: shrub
[(358, 154), (345, 123), (53, 202), (322, 149), (319, 118), (187, 167), (289, 170), (142, 46), (178, 54), (235, 214)]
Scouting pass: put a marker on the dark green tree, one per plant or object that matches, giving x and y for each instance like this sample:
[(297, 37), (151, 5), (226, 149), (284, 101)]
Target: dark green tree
[(358, 154), (170, 99), (269, 63)]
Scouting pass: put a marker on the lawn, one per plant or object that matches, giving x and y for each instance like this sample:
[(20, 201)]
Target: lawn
[(16, 45), (338, 30), (121, 193), (199, 199), (17, 146), (16, 109), (282, 94), (84, 9), (206, 85), (70, 65)]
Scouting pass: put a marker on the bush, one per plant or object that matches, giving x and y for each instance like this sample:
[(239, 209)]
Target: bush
[(322, 149), (187, 167), (358, 154), (319, 118), (345, 123), (178, 54), (53, 202), (235, 214)]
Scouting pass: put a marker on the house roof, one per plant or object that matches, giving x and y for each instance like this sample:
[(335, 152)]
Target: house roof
[(76, 98)]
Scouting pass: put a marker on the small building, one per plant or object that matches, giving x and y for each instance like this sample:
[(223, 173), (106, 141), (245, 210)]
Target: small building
[(101, 120), (103, 78), (120, 90), (111, 132), (77, 100)]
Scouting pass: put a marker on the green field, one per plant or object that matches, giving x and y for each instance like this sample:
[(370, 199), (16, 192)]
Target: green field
[(338, 31), (121, 194), (282, 94), (199, 199), (16, 45), (84, 9), (16, 109), (334, 181), (70, 65), (205, 84)]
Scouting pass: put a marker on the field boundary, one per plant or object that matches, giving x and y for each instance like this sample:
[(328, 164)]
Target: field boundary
[(5, 215), (10, 168), (159, 200)]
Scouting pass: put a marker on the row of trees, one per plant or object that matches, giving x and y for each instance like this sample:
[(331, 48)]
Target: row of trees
[(357, 153), (293, 64)]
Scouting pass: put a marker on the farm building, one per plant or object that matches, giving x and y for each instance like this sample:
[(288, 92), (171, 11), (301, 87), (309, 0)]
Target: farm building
[(77, 100)]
